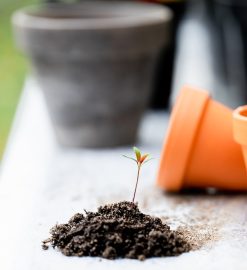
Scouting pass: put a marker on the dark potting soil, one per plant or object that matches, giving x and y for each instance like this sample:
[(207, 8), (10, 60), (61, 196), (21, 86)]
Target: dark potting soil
[(117, 230)]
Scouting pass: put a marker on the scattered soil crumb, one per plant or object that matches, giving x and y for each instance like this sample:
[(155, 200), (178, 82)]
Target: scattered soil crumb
[(198, 235), (117, 230)]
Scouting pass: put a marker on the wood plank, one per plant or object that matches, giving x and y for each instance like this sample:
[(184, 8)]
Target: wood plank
[(42, 183)]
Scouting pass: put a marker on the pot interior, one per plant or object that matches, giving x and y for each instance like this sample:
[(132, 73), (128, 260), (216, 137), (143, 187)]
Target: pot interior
[(243, 112)]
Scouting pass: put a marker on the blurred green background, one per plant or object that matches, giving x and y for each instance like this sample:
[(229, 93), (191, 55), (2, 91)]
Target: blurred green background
[(12, 68)]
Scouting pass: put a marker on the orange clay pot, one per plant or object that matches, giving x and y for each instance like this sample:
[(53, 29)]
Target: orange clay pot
[(200, 150), (240, 129)]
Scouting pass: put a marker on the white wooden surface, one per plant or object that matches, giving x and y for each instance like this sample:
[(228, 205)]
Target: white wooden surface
[(42, 184)]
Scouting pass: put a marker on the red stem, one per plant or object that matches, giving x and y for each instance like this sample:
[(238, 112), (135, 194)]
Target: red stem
[(137, 179)]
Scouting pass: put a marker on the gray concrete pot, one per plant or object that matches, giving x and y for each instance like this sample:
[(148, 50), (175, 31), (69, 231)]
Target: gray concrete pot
[(94, 62)]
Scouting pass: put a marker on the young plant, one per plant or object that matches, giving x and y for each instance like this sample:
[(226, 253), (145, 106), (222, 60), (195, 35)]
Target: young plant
[(140, 160)]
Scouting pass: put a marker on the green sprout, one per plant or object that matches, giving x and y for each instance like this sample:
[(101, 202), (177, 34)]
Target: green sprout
[(140, 160)]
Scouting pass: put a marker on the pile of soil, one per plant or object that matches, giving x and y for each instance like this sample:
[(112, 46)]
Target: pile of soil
[(117, 230)]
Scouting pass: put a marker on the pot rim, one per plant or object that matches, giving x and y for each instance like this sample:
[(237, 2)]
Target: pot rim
[(191, 104), (240, 125), (149, 14)]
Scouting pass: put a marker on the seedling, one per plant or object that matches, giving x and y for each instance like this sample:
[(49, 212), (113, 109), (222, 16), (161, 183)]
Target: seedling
[(87, 235), (140, 160)]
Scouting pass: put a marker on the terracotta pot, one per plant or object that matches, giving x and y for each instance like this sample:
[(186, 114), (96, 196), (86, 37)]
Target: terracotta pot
[(199, 149), (94, 62)]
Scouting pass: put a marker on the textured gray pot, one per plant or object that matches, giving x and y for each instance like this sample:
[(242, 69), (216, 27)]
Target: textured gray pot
[(94, 62)]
